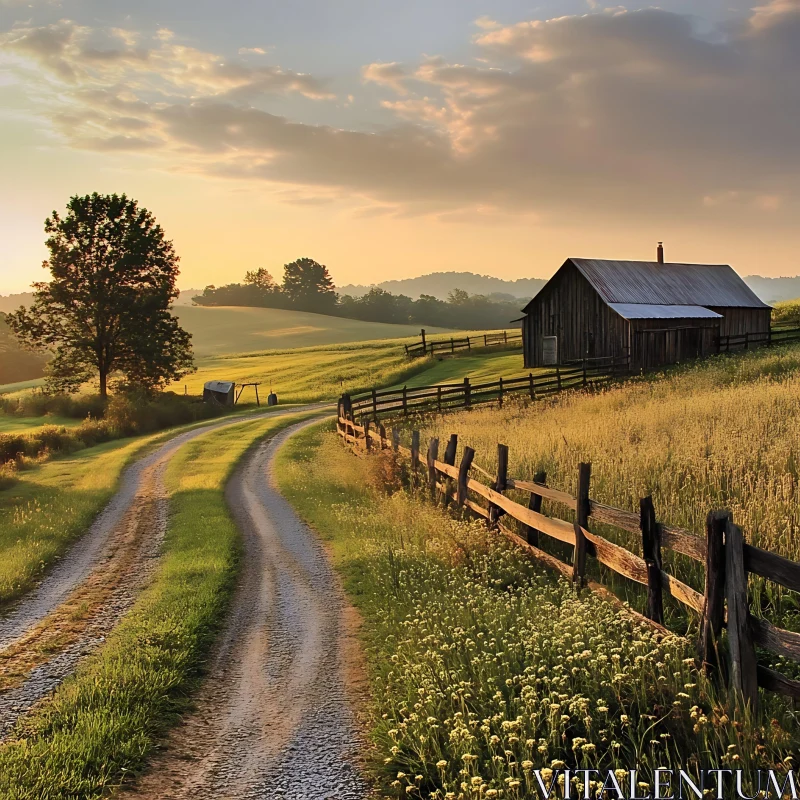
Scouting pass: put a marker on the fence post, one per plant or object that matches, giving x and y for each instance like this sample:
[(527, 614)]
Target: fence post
[(505, 337), (744, 680), (463, 474), (467, 394), (535, 504), (382, 431), (581, 521), (450, 459), (558, 376), (651, 550), (714, 594), (347, 404), (415, 454), (485, 341), (395, 439), (367, 444), (500, 483), (452, 345), (584, 372), (375, 406), (405, 401), (501, 393), (533, 386), (439, 398), (433, 454), (424, 346), (469, 344)]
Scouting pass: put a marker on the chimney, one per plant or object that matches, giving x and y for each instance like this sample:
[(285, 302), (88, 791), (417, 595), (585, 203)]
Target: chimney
[(660, 253)]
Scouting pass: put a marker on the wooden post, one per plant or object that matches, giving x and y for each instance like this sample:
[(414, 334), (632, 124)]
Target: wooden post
[(395, 439), (258, 402), (424, 346), (651, 550), (463, 474), (439, 398), (367, 443), (500, 399), (415, 455), (533, 386), (467, 394), (485, 342), (535, 504), (469, 344), (450, 458), (382, 430), (581, 521), (714, 594), (500, 483), (375, 406), (584, 372), (405, 401), (744, 680), (505, 337), (347, 404), (558, 376), (433, 454)]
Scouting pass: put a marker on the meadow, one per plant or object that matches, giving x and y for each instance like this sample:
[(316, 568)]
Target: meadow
[(484, 668), (101, 724), (724, 433)]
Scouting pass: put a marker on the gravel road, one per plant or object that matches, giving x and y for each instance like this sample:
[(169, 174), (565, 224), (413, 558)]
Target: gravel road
[(275, 718), (121, 549)]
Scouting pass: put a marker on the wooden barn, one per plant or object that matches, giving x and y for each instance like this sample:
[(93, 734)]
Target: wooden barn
[(657, 313)]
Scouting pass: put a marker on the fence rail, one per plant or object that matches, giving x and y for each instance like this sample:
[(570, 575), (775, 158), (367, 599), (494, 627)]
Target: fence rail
[(726, 557), (444, 397), (744, 341), (433, 347)]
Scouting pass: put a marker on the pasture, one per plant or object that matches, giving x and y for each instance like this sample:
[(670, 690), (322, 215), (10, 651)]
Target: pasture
[(223, 330)]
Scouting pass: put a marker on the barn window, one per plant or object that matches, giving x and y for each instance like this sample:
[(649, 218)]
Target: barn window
[(549, 350)]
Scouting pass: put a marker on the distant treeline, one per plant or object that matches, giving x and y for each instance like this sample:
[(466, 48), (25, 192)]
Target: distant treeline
[(17, 364), (308, 286)]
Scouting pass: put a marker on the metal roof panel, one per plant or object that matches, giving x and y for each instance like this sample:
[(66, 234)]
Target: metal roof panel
[(650, 282), (656, 311)]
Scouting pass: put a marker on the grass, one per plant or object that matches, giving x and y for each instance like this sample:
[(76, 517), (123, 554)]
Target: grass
[(220, 330), (14, 424), (486, 365), (101, 725), (483, 668)]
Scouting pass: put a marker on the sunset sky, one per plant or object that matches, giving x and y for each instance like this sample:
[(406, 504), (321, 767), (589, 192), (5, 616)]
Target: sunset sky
[(388, 139)]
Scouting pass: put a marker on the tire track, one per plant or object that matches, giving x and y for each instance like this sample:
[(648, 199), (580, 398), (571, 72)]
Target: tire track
[(275, 717), (99, 579)]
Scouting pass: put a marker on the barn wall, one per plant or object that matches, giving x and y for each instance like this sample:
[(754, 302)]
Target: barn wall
[(738, 321), (658, 342), (570, 308)]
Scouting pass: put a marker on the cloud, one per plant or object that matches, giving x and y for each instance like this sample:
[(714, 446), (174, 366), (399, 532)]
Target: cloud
[(637, 114), (257, 51)]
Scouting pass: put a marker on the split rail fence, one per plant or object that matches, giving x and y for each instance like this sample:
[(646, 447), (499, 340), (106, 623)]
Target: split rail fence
[(745, 341), (445, 397), (452, 345), (726, 557)]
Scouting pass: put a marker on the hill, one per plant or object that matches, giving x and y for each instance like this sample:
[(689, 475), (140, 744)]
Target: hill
[(17, 364), (220, 330), (440, 284)]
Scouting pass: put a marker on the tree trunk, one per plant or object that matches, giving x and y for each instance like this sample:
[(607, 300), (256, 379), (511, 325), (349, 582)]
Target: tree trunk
[(103, 384)]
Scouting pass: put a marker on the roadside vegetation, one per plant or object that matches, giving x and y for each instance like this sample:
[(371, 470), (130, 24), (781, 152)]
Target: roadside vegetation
[(101, 725), (483, 667)]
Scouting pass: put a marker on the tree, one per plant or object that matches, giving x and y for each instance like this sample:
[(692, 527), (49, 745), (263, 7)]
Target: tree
[(261, 279), (105, 310), (309, 286)]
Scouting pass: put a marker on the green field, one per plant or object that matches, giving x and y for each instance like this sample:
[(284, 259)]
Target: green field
[(221, 330), (12, 424)]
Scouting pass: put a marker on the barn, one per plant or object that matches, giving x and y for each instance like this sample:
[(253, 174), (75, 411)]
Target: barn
[(657, 313)]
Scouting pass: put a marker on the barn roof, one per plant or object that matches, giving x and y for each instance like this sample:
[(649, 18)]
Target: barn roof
[(667, 284), (655, 311)]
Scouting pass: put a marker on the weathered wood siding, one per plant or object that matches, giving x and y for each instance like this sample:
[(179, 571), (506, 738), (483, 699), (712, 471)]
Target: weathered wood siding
[(657, 342), (738, 321)]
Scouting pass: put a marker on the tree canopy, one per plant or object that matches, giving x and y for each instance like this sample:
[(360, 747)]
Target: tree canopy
[(309, 286), (106, 309)]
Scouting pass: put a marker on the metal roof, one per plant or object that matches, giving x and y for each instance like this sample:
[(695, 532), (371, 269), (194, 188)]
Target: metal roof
[(654, 311), (667, 284), (219, 386)]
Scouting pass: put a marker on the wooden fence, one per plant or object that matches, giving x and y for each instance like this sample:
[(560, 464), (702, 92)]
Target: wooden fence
[(443, 397), (726, 557), (434, 347), (744, 341)]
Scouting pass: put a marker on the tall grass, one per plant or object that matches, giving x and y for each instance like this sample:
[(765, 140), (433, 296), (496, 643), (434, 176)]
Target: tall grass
[(483, 668), (102, 724)]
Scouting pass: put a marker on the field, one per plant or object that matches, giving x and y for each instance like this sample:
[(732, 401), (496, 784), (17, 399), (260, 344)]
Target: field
[(483, 667), (13, 424)]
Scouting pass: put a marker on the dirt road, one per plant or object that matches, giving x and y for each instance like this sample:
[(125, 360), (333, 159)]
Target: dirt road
[(78, 602), (274, 719)]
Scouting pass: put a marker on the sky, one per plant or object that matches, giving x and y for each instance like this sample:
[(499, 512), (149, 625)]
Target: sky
[(390, 139)]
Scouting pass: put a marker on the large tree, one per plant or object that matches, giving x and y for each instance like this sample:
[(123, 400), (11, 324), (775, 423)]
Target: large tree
[(309, 286), (106, 309)]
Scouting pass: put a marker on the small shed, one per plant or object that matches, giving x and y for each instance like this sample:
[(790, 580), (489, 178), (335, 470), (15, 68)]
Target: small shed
[(221, 392), (656, 313)]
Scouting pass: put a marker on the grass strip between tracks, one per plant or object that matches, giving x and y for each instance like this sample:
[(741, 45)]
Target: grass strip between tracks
[(55, 502), (484, 667), (101, 725)]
